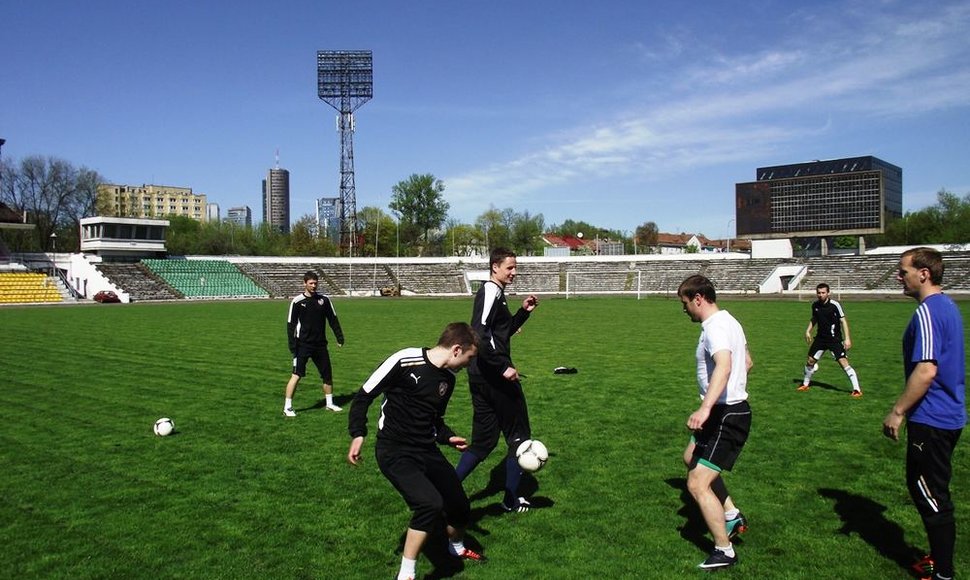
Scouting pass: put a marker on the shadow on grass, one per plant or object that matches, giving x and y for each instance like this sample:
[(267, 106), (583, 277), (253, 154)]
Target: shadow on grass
[(435, 548), (443, 564), (694, 529), (528, 487), (339, 400), (821, 385), (863, 516)]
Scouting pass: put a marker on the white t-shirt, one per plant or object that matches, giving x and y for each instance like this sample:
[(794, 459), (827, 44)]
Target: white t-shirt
[(722, 332)]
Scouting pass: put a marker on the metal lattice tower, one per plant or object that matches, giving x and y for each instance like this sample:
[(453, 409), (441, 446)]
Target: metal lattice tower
[(345, 81)]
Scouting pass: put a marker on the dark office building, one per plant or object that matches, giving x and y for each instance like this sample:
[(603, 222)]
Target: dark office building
[(836, 197)]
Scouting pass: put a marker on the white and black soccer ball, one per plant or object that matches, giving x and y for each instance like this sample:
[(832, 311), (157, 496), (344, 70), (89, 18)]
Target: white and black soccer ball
[(532, 455), (164, 427)]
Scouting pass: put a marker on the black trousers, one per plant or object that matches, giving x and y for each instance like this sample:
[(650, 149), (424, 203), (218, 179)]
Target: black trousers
[(499, 407), (427, 482)]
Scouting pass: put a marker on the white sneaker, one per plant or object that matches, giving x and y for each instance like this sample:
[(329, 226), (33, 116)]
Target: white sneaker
[(334, 408), (289, 412)]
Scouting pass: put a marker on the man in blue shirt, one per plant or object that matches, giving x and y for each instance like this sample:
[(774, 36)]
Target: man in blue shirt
[(933, 403)]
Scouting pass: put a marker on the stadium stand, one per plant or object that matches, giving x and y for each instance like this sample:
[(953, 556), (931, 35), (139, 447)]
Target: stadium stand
[(740, 276), (194, 278), (138, 281), (957, 274), (281, 280), (205, 278), (445, 278), (541, 277), (28, 287), (861, 273)]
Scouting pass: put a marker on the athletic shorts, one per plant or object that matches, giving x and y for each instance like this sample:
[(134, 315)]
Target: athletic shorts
[(719, 442), (427, 482), (819, 347), (320, 357)]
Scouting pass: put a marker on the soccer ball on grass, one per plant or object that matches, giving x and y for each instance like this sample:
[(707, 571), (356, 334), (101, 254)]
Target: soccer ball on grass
[(164, 427), (532, 455)]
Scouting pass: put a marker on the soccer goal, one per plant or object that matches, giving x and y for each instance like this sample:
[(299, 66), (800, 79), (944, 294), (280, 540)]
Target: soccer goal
[(605, 282)]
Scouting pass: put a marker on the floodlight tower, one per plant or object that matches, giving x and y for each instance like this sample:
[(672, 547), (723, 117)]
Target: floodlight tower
[(345, 81)]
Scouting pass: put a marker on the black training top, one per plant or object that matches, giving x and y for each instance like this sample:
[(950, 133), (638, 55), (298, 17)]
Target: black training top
[(416, 394), (306, 321)]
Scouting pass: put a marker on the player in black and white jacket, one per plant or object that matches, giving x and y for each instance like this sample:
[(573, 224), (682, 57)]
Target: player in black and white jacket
[(306, 331), (417, 384), (497, 395), (831, 334)]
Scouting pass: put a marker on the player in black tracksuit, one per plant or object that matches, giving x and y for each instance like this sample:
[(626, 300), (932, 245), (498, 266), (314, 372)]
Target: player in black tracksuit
[(497, 396), (417, 384), (306, 331)]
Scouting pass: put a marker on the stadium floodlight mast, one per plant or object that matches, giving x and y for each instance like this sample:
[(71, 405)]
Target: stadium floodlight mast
[(345, 81)]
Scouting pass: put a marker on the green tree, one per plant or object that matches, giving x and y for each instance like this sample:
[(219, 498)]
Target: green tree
[(419, 202), (304, 239), (646, 236), (463, 239), (183, 236), (589, 231), (493, 230), (946, 222), (527, 233), (378, 233)]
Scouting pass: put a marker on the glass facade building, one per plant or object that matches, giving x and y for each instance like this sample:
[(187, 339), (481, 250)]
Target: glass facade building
[(852, 196)]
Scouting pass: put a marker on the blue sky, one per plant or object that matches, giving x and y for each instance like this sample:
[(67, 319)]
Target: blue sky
[(612, 112)]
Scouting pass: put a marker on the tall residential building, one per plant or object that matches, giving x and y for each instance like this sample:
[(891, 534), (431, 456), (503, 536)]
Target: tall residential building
[(276, 198), (241, 216), (212, 212), (150, 201)]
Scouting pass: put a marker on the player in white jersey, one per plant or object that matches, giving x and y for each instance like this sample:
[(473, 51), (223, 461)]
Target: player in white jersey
[(721, 424)]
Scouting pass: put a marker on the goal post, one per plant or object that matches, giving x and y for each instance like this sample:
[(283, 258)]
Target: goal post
[(622, 282)]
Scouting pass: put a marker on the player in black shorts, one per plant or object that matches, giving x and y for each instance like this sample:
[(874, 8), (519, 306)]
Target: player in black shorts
[(832, 335), (721, 423), (306, 331), (497, 396), (417, 384)]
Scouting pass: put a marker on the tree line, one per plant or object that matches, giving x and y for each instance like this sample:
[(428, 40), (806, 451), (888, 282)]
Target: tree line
[(56, 195)]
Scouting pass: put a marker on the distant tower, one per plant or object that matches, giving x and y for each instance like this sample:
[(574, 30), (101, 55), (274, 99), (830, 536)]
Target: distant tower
[(276, 197), (345, 81)]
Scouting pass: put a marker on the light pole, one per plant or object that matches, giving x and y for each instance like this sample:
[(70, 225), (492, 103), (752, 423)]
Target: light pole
[(377, 231), (54, 244), (2, 141), (397, 233), (730, 236)]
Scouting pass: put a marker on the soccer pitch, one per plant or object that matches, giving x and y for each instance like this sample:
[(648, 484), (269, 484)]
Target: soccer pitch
[(241, 492)]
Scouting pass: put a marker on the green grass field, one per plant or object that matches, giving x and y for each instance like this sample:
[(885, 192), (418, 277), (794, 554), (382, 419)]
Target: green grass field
[(240, 492)]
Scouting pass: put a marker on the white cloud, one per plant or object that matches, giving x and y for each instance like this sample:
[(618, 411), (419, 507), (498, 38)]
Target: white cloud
[(744, 106)]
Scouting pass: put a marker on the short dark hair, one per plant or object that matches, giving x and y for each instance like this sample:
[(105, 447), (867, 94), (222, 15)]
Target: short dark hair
[(695, 285), (927, 258), (311, 275), (822, 285), (499, 255), (460, 333)]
